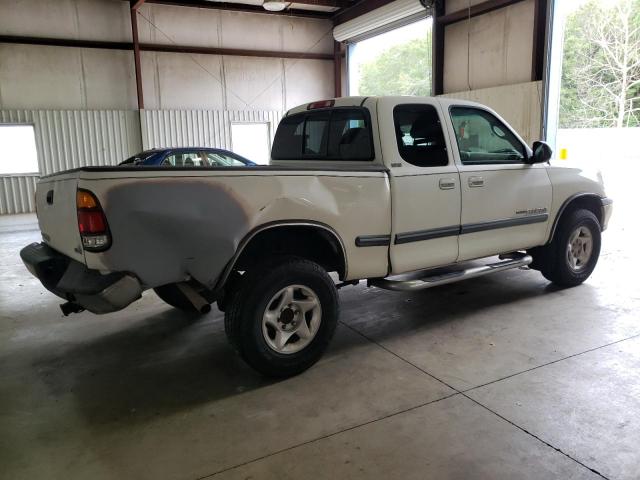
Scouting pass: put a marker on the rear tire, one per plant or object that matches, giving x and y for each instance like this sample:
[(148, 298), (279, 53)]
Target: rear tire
[(282, 316), (573, 253)]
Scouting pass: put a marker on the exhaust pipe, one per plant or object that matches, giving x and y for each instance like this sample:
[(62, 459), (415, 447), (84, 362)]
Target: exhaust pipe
[(197, 300), (70, 307)]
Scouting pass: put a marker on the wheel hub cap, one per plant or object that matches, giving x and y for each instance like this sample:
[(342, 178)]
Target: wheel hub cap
[(292, 319), (579, 249)]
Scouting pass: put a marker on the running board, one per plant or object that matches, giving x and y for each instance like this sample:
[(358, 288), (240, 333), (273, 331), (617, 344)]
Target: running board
[(513, 261)]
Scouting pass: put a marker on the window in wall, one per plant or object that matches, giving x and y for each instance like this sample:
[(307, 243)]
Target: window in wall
[(419, 135), (338, 134), (397, 62), (483, 139), (19, 154), (251, 140)]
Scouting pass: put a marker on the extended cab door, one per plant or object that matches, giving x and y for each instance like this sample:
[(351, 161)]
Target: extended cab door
[(505, 201), (425, 185)]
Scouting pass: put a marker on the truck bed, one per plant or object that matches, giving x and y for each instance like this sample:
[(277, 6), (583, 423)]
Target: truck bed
[(169, 225)]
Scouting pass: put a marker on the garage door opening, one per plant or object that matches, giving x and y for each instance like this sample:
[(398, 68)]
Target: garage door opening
[(251, 140), (593, 116), (19, 154), (397, 62)]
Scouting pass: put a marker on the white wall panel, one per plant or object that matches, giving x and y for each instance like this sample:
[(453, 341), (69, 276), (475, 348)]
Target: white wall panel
[(203, 128), (491, 49), (45, 77)]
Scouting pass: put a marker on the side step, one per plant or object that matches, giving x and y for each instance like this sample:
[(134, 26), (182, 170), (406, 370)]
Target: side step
[(514, 260)]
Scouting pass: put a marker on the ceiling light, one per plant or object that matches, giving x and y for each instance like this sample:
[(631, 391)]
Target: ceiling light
[(274, 5)]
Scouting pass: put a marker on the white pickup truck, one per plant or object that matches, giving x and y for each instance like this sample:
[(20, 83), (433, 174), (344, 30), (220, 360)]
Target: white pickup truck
[(403, 192)]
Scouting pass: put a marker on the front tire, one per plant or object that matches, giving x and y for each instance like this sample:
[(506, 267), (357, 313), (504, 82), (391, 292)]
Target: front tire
[(573, 253), (282, 316)]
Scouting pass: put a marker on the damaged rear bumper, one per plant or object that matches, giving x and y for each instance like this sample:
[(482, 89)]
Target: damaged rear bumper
[(74, 282)]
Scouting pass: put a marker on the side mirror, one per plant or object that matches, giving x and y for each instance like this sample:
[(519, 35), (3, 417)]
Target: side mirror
[(541, 153)]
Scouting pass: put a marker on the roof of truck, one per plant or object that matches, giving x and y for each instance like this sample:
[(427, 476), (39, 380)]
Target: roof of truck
[(358, 101)]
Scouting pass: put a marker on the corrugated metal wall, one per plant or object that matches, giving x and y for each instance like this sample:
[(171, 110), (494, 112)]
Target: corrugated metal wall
[(17, 194), (68, 139), (207, 128), (74, 138)]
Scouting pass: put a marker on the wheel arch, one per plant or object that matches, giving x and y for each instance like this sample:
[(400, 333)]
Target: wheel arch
[(315, 241), (588, 201)]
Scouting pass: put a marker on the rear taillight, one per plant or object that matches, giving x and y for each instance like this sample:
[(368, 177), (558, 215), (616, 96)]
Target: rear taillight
[(92, 223)]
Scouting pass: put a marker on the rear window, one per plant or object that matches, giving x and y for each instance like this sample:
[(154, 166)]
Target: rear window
[(337, 134)]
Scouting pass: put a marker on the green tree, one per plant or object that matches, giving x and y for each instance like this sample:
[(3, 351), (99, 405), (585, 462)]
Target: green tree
[(400, 70), (601, 66)]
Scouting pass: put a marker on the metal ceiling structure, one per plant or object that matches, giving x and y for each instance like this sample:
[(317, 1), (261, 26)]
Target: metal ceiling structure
[(338, 11)]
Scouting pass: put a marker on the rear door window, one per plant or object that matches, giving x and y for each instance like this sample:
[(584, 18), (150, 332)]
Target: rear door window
[(337, 134), (419, 135)]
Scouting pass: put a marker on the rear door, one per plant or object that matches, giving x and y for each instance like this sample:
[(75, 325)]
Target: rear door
[(505, 201), (425, 185), (57, 214)]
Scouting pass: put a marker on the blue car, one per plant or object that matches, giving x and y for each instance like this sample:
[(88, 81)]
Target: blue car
[(188, 157)]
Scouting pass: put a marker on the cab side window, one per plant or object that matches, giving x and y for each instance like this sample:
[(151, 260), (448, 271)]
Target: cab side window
[(419, 135), (483, 139)]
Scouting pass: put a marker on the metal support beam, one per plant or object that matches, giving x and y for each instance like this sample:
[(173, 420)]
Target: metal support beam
[(239, 7), (358, 9), (475, 10), (539, 40), (136, 54), (326, 3), (66, 42), (337, 68), (152, 47), (437, 46)]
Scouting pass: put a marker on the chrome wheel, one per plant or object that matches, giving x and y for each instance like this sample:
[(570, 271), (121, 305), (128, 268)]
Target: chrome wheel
[(292, 319), (579, 249)]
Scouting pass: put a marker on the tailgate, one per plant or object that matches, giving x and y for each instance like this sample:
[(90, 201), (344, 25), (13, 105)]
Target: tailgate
[(57, 214)]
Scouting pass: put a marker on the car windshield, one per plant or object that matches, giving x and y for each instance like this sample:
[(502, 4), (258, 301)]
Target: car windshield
[(139, 158)]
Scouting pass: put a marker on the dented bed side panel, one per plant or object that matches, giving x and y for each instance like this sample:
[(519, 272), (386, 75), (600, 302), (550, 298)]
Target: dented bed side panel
[(167, 227)]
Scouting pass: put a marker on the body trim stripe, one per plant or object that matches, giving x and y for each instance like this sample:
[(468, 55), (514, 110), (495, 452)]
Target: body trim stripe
[(373, 240), (509, 222), (420, 235)]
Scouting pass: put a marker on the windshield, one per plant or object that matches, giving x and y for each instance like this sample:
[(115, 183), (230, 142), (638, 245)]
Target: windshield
[(139, 158)]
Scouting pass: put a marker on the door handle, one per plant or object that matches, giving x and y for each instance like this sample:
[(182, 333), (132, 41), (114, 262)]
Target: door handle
[(476, 182), (447, 184)]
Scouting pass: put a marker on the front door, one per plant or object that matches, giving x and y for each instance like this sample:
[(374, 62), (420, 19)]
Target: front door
[(425, 186), (505, 201)]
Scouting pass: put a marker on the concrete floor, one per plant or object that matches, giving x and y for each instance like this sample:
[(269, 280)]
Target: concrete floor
[(501, 377)]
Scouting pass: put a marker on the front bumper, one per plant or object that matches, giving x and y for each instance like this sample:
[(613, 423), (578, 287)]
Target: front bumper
[(607, 210), (74, 282)]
